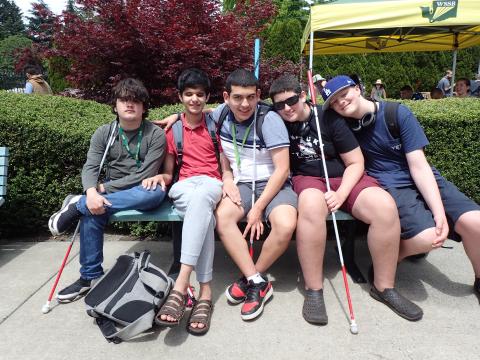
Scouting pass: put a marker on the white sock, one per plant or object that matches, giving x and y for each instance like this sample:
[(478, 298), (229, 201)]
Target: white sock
[(257, 278)]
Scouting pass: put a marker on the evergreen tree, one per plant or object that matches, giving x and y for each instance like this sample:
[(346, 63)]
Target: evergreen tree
[(40, 26), (10, 19), (283, 39)]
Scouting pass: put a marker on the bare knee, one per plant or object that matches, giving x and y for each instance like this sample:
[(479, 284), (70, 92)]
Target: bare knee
[(376, 206), (312, 206), (283, 220)]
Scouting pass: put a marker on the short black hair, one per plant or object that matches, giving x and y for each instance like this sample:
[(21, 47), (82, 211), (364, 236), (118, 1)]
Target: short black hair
[(406, 88), (241, 77), (287, 82), (32, 69), (131, 89), (193, 78)]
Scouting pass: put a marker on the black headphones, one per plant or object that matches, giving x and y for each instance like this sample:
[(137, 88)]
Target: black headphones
[(367, 120), (301, 128)]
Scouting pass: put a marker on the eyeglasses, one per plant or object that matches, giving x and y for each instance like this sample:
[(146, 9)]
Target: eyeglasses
[(280, 105)]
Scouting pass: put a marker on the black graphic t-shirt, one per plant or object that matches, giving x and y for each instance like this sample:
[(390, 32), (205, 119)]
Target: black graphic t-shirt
[(305, 155)]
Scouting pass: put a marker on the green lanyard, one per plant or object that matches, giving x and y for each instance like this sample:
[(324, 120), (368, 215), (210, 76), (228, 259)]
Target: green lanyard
[(135, 156), (233, 130)]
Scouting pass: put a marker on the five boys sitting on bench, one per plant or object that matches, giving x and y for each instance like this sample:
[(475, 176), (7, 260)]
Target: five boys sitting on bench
[(229, 178)]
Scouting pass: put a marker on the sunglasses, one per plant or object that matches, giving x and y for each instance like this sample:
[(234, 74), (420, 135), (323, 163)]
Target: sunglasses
[(280, 105)]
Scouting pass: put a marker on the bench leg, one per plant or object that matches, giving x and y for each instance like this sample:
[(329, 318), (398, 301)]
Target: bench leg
[(348, 250), (177, 249)]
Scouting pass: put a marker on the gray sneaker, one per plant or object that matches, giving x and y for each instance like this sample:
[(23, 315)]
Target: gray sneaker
[(63, 219), (399, 304)]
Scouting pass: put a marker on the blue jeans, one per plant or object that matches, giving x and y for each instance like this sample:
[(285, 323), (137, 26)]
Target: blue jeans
[(92, 226)]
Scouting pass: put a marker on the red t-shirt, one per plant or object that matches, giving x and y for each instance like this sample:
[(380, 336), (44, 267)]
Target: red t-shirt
[(198, 151)]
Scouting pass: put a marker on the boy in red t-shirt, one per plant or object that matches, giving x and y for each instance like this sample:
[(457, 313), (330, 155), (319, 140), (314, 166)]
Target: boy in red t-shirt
[(195, 196)]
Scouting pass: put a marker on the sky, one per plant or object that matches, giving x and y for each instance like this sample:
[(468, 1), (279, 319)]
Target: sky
[(55, 5)]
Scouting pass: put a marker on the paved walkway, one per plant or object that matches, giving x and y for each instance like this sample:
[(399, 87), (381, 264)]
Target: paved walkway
[(441, 284)]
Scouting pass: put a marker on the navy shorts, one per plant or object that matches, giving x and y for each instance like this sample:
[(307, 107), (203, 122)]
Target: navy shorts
[(415, 216), (286, 196)]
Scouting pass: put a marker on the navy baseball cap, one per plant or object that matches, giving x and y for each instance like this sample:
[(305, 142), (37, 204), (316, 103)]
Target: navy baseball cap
[(332, 87)]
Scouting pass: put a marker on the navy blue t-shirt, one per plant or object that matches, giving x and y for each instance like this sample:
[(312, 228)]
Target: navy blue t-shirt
[(385, 157)]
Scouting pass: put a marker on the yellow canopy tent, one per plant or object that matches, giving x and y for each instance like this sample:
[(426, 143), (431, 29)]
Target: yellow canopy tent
[(359, 26)]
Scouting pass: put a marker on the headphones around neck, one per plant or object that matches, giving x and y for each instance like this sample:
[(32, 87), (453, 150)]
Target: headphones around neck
[(366, 121), (301, 128)]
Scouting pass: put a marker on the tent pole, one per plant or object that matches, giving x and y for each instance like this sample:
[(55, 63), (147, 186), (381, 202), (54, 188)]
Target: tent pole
[(454, 66), (310, 62)]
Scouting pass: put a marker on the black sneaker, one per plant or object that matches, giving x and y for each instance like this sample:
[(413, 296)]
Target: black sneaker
[(63, 219), (71, 292), (314, 310), (476, 288), (399, 304), (257, 295), (237, 291)]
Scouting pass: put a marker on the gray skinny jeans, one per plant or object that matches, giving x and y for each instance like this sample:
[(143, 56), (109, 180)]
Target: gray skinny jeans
[(195, 200)]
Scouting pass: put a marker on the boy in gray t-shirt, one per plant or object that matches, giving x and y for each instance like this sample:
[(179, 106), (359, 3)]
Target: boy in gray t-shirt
[(136, 153)]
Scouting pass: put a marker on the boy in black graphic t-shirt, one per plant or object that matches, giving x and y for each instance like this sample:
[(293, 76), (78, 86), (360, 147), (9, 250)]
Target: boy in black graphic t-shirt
[(351, 190)]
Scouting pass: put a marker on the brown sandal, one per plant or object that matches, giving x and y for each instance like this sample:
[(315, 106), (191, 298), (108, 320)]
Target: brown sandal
[(201, 314), (174, 306)]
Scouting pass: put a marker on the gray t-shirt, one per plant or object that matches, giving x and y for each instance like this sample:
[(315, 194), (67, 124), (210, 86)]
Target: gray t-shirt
[(122, 171)]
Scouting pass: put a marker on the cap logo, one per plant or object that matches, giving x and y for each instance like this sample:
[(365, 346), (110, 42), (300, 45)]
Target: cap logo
[(327, 91)]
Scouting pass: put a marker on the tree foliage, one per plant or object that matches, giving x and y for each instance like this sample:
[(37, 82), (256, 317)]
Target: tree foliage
[(41, 24), (10, 19), (283, 40), (9, 51), (155, 40)]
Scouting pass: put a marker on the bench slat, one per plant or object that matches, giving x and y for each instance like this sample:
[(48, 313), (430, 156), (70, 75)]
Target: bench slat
[(166, 212)]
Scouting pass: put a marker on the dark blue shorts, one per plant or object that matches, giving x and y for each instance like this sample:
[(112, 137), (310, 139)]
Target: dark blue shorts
[(415, 216)]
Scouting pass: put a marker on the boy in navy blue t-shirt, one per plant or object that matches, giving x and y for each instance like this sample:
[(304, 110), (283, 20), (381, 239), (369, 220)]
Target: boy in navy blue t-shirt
[(424, 198)]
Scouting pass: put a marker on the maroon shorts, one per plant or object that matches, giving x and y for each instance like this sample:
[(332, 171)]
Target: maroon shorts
[(301, 182)]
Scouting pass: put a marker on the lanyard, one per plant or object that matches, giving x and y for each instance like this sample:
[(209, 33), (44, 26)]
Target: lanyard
[(135, 156), (233, 130)]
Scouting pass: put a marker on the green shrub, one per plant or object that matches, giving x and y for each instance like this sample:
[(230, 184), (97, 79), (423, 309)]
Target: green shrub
[(48, 137)]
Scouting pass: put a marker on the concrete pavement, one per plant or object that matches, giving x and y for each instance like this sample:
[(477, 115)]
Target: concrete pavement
[(441, 284)]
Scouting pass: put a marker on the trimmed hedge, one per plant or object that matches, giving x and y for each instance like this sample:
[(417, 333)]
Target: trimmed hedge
[(48, 137)]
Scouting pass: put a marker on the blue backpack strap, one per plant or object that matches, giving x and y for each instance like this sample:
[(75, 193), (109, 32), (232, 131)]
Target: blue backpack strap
[(177, 129), (391, 118), (212, 130)]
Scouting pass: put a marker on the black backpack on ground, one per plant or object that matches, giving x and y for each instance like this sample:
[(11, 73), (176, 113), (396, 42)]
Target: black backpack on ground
[(126, 299)]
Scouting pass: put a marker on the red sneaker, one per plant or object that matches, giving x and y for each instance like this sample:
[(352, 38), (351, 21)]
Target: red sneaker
[(257, 295), (237, 291)]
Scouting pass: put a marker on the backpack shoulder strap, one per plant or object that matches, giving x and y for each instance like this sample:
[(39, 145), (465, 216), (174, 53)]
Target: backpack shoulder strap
[(212, 130), (391, 118), (262, 111), (222, 117), (177, 129)]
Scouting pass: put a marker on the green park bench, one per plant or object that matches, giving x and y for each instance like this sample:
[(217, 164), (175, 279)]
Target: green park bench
[(3, 173), (166, 213)]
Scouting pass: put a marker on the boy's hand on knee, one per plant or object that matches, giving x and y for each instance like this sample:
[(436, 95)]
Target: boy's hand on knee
[(96, 203), (231, 190), (151, 183), (254, 224), (441, 230)]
